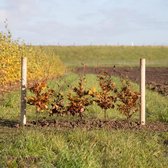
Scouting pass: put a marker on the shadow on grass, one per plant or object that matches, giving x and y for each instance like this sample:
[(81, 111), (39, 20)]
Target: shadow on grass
[(8, 123)]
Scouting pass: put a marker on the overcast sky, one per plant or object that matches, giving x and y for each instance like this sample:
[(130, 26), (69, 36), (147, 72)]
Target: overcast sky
[(82, 22)]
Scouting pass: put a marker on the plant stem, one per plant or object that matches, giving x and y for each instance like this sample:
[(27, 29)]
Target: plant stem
[(105, 114), (81, 116), (36, 116)]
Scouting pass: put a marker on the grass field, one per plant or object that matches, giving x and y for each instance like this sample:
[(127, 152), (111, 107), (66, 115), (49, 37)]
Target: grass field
[(157, 56), (47, 147), (50, 147)]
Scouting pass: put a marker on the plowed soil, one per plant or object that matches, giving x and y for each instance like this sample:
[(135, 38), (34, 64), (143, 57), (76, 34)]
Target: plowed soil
[(99, 124), (156, 78), (90, 124)]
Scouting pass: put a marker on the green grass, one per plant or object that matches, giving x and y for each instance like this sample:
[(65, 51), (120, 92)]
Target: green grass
[(83, 149), (75, 56), (50, 147)]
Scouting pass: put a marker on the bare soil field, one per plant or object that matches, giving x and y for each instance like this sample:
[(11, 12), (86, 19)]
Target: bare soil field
[(156, 78)]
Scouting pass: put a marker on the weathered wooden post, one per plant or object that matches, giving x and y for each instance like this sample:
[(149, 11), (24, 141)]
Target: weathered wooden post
[(142, 91), (23, 90)]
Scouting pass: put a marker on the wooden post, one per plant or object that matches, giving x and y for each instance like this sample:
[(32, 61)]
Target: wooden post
[(23, 90), (142, 91)]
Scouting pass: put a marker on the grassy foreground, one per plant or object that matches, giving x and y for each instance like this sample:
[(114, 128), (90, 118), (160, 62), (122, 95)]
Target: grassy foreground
[(82, 149), (50, 147), (156, 56)]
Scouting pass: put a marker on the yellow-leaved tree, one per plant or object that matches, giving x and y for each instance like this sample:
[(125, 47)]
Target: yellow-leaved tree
[(40, 64)]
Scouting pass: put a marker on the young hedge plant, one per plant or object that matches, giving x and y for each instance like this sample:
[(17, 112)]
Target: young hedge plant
[(41, 97), (106, 97), (58, 105), (128, 100), (79, 100)]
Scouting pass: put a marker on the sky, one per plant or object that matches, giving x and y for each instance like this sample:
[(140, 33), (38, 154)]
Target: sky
[(87, 22)]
